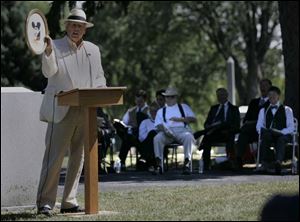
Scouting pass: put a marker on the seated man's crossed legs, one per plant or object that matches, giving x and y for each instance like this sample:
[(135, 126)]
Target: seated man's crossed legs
[(147, 149), (216, 137), (247, 135), (128, 141)]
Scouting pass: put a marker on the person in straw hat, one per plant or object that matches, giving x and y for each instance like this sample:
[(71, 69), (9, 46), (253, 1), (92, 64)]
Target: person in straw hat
[(173, 121), (68, 63)]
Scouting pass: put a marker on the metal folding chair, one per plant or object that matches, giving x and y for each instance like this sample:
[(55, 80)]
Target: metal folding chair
[(174, 146), (293, 144)]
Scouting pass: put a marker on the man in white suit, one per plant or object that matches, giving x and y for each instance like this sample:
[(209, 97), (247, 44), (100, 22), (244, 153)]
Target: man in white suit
[(68, 63)]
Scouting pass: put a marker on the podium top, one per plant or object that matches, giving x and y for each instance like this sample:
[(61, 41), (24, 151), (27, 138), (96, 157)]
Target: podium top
[(92, 89), (92, 97)]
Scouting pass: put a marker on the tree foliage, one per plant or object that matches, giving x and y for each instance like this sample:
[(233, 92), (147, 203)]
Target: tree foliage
[(151, 48), (19, 67), (153, 45), (243, 31)]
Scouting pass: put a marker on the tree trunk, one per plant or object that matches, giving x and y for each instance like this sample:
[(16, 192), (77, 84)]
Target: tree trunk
[(241, 90), (252, 67), (289, 21), (252, 78)]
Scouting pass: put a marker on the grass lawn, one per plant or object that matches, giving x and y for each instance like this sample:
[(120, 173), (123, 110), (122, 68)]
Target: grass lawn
[(202, 202)]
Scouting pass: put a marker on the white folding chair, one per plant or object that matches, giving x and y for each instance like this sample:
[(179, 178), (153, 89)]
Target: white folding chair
[(294, 144), (258, 152)]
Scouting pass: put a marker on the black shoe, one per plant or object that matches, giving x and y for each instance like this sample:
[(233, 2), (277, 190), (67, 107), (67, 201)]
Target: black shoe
[(186, 171), (45, 211), (187, 162), (158, 170), (206, 168), (76, 209), (237, 165), (186, 167), (263, 169), (123, 167), (278, 168)]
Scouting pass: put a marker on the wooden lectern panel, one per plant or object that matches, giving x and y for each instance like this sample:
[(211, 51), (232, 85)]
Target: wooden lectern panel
[(99, 97), (91, 162), (89, 99)]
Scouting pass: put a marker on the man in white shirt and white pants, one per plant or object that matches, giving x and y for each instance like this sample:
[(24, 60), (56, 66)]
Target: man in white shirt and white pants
[(172, 122), (68, 63)]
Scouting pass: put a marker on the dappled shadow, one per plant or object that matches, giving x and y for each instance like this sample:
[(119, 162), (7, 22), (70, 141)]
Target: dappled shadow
[(220, 172), (18, 216)]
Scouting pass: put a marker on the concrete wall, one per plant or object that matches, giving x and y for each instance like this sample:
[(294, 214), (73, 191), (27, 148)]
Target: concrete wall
[(22, 145)]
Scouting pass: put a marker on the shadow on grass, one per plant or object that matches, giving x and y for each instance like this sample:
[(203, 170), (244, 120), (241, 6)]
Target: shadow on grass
[(18, 216), (218, 171)]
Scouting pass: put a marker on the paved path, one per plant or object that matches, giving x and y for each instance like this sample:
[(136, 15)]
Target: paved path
[(132, 180)]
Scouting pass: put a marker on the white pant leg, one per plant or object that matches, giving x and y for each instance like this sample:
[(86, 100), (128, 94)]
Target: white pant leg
[(186, 138), (159, 142), (75, 165), (58, 139)]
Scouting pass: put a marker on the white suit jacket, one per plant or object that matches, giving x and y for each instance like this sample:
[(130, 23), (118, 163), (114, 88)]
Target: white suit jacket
[(62, 72)]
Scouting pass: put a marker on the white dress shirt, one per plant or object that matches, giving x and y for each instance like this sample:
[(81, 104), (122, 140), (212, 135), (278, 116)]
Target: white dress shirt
[(146, 126), (126, 115), (261, 122), (173, 111)]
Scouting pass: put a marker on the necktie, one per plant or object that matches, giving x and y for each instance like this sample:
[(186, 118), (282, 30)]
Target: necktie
[(220, 115)]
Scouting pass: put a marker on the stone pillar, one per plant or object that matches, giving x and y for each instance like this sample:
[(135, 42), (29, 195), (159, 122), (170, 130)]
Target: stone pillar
[(231, 80), (22, 146)]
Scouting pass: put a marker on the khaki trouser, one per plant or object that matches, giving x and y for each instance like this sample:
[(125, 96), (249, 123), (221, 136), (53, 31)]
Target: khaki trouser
[(183, 136), (61, 137)]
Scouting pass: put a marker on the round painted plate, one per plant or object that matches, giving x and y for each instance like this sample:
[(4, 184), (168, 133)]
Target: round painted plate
[(36, 29)]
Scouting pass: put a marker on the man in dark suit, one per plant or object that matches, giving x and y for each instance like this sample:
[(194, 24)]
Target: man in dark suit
[(248, 132), (222, 122)]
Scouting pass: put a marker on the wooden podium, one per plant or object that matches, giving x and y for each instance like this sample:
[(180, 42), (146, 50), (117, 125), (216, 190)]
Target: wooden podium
[(90, 99)]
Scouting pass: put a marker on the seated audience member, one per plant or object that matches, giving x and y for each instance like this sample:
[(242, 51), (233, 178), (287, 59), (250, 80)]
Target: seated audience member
[(173, 121), (275, 125), (160, 98), (105, 132), (248, 132), (147, 132), (221, 125), (132, 119)]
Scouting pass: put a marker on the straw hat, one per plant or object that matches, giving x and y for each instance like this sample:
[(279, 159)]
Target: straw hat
[(170, 92), (78, 15)]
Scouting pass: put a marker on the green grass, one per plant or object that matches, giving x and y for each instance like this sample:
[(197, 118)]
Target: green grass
[(201, 202)]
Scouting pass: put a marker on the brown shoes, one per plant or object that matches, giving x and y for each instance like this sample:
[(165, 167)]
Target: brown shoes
[(76, 209)]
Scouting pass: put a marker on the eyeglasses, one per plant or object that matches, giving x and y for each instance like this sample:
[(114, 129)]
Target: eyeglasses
[(170, 97)]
